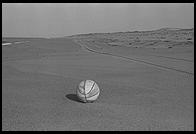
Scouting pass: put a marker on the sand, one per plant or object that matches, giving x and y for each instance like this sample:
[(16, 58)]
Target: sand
[(39, 80)]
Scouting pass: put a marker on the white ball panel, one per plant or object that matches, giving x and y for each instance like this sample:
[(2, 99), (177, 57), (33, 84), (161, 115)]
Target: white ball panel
[(79, 94), (88, 85), (81, 90), (93, 98), (94, 91), (82, 84)]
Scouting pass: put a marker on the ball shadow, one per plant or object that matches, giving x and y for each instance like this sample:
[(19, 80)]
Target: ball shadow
[(73, 97)]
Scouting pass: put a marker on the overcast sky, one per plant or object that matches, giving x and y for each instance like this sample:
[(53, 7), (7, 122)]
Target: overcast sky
[(58, 20)]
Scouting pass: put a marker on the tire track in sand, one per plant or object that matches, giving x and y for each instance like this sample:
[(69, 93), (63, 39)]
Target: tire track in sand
[(133, 59)]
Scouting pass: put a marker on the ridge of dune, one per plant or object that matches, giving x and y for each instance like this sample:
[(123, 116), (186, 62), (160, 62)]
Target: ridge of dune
[(162, 52), (136, 32)]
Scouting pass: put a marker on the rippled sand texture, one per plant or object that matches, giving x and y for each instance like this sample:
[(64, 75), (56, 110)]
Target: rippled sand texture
[(143, 88)]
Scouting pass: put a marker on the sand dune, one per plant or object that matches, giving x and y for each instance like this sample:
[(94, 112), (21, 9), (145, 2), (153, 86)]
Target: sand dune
[(39, 79)]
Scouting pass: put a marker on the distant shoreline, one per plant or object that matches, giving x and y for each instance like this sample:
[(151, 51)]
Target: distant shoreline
[(3, 44)]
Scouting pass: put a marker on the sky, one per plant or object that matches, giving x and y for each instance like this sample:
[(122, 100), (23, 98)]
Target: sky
[(65, 19)]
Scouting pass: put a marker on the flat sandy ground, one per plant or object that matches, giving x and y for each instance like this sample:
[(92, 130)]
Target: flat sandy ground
[(138, 92)]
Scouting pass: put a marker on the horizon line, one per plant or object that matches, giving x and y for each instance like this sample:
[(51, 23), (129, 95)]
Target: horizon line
[(167, 28)]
